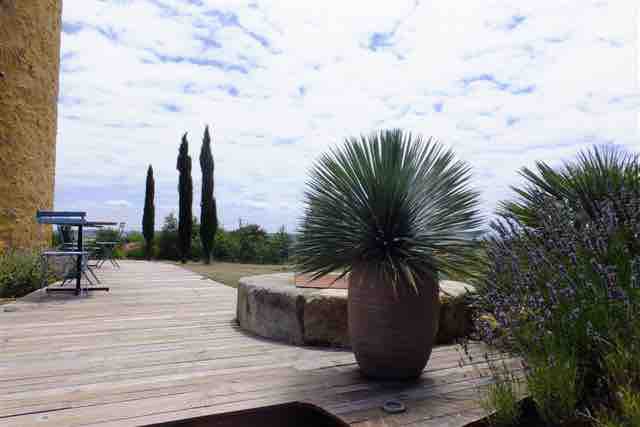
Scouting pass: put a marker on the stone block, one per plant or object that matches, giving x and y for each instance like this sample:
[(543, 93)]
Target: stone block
[(271, 306)]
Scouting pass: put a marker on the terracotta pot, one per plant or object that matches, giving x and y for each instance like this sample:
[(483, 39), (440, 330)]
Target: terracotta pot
[(392, 335)]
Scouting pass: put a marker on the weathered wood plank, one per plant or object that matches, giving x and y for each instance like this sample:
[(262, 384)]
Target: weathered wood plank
[(163, 345)]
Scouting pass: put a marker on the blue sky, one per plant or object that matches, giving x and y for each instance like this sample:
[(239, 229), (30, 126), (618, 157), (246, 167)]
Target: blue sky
[(504, 83)]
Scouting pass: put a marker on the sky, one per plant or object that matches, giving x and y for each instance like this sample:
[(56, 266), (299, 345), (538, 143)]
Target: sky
[(502, 83)]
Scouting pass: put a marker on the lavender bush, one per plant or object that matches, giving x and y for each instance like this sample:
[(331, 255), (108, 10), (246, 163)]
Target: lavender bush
[(563, 292), (21, 272)]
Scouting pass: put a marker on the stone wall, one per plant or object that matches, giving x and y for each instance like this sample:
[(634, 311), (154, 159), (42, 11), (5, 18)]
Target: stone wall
[(271, 306), (29, 75)]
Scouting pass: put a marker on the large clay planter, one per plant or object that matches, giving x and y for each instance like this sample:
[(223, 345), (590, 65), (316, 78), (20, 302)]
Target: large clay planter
[(392, 335)]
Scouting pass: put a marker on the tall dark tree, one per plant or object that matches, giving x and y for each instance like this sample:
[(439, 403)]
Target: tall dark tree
[(185, 193), (148, 217), (208, 214)]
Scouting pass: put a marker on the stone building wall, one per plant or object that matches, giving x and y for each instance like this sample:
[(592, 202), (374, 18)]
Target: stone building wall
[(29, 77)]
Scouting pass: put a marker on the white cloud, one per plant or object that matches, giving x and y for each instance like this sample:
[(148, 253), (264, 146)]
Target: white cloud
[(118, 203), (281, 81)]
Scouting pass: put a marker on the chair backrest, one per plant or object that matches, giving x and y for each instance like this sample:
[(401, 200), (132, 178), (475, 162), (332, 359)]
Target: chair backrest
[(59, 218), (66, 236)]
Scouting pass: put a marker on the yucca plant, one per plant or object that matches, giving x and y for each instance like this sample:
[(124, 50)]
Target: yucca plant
[(392, 200), (584, 184), (392, 210)]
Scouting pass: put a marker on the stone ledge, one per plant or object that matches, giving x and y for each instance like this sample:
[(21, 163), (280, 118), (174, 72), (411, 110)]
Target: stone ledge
[(271, 306)]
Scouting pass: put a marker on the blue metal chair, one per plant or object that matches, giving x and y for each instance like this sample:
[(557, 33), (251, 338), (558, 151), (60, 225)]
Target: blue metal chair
[(68, 245), (67, 248)]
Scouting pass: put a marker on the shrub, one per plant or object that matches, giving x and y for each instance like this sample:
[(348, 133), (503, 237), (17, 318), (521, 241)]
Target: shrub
[(622, 363), (281, 244), (137, 252), (251, 239), (554, 386), (168, 239), (251, 244), (20, 273), (196, 253), (627, 412), (502, 397), (225, 246), (630, 406), (563, 288), (134, 237), (118, 252), (107, 235), (248, 244)]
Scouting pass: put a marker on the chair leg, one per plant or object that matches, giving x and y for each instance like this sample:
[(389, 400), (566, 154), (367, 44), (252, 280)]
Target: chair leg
[(86, 276), (90, 270), (67, 267), (67, 275), (85, 268)]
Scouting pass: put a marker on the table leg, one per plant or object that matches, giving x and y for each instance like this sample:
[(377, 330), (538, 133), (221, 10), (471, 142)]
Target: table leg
[(79, 261), (112, 257)]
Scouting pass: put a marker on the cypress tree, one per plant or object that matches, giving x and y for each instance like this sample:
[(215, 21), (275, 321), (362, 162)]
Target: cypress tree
[(185, 193), (208, 214), (148, 217)]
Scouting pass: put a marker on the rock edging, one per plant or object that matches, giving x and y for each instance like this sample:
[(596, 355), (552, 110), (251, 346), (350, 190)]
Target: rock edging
[(271, 306)]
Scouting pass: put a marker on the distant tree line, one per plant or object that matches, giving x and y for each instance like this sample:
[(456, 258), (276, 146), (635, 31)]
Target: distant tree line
[(249, 243)]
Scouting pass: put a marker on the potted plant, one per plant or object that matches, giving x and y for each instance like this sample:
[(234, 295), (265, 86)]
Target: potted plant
[(391, 211)]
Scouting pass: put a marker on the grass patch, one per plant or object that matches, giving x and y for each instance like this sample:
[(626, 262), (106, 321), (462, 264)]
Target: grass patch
[(229, 273)]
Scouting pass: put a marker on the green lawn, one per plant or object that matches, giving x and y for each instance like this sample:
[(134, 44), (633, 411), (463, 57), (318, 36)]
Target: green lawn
[(229, 273)]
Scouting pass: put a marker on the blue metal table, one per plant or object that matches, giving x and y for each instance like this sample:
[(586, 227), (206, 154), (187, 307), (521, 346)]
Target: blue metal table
[(74, 219)]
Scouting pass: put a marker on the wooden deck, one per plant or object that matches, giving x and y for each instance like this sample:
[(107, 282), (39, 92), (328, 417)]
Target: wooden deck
[(163, 345)]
